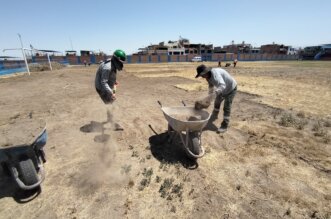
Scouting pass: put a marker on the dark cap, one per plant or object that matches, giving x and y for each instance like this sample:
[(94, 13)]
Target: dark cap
[(202, 70)]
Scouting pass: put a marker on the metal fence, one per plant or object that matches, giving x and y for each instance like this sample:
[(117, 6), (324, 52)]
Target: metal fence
[(9, 66)]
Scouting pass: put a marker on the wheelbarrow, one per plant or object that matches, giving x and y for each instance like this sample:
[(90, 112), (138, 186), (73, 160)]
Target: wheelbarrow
[(188, 123), (21, 152)]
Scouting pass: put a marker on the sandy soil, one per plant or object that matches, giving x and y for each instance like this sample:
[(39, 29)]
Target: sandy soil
[(274, 161)]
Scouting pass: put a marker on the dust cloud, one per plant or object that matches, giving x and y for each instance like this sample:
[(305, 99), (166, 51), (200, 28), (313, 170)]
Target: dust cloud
[(104, 167)]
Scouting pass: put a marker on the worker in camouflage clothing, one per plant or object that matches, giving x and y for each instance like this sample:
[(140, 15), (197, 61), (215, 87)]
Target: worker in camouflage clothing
[(224, 87)]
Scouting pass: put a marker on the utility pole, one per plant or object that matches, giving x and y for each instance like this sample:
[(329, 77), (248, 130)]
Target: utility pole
[(26, 62), (72, 48)]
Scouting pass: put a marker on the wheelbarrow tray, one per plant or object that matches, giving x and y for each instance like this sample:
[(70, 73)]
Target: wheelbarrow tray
[(186, 118), (21, 133)]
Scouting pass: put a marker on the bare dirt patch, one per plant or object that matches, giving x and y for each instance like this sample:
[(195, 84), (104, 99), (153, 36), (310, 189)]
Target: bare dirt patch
[(258, 169), (20, 131)]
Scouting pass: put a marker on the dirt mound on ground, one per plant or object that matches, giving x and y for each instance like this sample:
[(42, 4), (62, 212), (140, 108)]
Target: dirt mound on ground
[(34, 67)]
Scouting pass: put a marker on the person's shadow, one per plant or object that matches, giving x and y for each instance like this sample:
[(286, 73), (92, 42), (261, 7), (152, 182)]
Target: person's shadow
[(170, 152), (10, 189), (99, 127)]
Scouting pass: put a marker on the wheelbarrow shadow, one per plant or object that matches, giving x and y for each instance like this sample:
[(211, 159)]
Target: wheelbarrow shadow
[(10, 189), (170, 152)]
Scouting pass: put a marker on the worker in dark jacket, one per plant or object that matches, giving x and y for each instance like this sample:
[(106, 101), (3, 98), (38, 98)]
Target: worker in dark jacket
[(224, 87), (105, 79)]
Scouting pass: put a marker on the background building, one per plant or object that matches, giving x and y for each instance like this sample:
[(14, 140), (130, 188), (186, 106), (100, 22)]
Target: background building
[(274, 49)]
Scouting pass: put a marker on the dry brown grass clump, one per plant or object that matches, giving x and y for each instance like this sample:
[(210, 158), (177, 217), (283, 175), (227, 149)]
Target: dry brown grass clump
[(169, 190), (327, 123), (319, 129), (288, 120), (147, 173)]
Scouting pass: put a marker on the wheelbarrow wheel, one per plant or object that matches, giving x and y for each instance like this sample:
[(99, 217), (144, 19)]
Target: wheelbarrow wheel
[(194, 145), (27, 172)]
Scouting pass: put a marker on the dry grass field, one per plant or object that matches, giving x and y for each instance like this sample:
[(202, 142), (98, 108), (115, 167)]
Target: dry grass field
[(274, 161)]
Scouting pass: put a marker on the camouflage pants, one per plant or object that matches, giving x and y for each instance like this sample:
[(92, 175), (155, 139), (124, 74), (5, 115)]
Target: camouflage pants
[(227, 104), (105, 97)]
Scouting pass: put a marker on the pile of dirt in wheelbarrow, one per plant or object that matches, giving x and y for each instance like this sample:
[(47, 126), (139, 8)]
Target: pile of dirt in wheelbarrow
[(183, 117), (34, 67), (20, 132), (204, 102)]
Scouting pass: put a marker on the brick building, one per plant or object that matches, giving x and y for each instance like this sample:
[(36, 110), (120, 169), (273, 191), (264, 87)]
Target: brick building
[(274, 49), (237, 48)]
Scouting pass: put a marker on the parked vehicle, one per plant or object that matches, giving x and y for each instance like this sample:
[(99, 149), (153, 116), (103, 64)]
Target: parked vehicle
[(196, 59)]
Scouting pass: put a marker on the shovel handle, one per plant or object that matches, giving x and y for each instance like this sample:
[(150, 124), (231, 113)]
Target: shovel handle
[(183, 103), (159, 102)]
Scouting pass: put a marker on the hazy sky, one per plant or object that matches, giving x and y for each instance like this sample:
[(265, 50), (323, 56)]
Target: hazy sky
[(107, 25)]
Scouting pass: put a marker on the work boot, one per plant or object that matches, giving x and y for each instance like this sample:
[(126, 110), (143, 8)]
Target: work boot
[(224, 126), (214, 115)]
